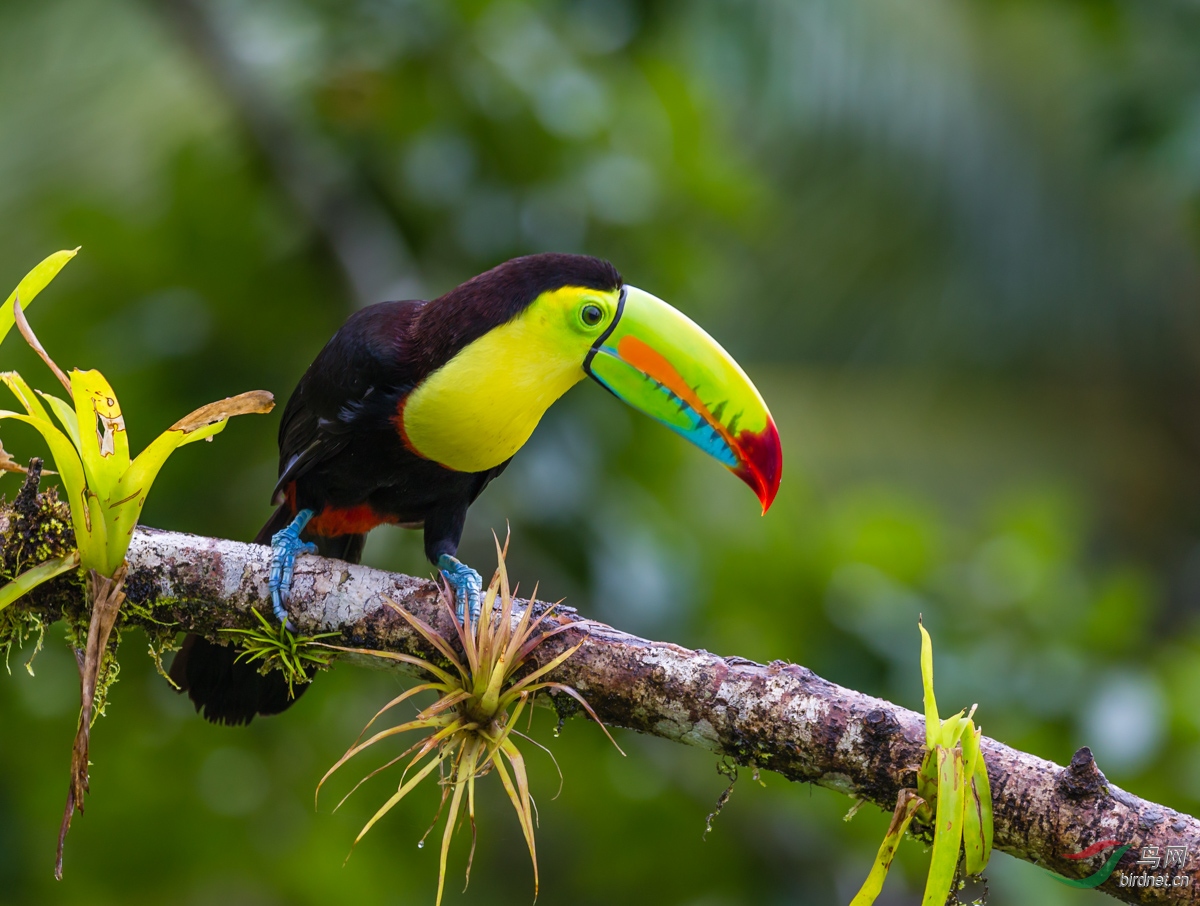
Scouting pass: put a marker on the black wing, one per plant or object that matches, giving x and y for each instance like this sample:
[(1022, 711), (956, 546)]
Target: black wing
[(356, 378)]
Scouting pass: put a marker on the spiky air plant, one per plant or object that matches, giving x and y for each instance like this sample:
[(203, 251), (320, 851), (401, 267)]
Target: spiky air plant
[(470, 727)]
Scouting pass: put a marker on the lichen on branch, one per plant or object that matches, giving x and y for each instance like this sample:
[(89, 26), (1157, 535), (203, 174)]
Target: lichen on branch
[(779, 717)]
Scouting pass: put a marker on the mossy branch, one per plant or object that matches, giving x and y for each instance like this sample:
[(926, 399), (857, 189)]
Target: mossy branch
[(779, 717)]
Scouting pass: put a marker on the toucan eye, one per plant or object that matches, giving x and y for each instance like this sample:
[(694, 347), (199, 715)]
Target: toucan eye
[(592, 315)]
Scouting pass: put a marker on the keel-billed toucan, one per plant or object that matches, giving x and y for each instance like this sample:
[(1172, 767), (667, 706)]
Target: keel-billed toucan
[(413, 408)]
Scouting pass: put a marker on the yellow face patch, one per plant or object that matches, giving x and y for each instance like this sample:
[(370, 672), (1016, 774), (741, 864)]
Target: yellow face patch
[(479, 408)]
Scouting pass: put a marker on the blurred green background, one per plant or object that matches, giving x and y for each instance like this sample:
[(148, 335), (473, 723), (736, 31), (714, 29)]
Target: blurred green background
[(955, 245)]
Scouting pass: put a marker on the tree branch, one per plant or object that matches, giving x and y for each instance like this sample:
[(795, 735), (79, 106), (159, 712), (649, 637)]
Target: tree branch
[(781, 717)]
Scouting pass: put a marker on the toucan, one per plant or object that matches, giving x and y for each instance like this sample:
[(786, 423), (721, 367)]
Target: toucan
[(412, 408)]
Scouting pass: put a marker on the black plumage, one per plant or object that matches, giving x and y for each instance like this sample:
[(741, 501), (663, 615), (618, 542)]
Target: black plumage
[(342, 454)]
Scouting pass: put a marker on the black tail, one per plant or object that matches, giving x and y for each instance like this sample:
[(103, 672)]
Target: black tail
[(230, 692), (224, 690)]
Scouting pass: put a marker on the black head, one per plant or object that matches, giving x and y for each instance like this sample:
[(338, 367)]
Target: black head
[(495, 297), (509, 287)]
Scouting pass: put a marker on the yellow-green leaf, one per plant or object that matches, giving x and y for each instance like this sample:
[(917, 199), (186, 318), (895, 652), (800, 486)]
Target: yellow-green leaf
[(970, 747), (101, 554), (932, 724), (951, 729), (25, 396), (927, 784), (32, 578), (103, 441), (906, 806), (65, 414), (70, 470), (977, 823), (130, 495), (32, 284), (947, 828)]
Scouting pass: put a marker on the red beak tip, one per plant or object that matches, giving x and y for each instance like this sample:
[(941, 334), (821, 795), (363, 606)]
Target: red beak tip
[(760, 464), (766, 496)]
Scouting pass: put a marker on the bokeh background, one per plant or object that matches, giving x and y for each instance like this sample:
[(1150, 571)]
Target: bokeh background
[(955, 245)]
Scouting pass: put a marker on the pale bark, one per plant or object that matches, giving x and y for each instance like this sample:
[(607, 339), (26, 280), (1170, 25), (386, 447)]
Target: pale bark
[(779, 717)]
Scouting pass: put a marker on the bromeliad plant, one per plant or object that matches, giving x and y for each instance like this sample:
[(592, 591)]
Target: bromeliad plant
[(470, 727), (105, 491), (953, 795)]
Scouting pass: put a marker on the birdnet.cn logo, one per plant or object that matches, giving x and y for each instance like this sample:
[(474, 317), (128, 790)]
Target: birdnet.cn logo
[(1155, 863)]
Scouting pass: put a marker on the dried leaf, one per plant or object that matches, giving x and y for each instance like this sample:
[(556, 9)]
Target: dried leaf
[(35, 344), (8, 464), (249, 403), (106, 596)]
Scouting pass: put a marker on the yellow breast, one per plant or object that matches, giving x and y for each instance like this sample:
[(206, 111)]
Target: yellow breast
[(479, 408)]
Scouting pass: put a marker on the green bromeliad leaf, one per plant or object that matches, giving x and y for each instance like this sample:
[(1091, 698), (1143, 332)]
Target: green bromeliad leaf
[(129, 494), (932, 724), (104, 489), (102, 440), (32, 284), (977, 821), (65, 414), (947, 833), (32, 578), (86, 520), (25, 396), (906, 807), (953, 795)]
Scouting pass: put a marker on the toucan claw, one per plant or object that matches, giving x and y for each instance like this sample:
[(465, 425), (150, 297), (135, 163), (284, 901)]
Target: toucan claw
[(468, 585), (285, 547)]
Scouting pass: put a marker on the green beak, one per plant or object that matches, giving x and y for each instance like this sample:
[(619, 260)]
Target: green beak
[(661, 363)]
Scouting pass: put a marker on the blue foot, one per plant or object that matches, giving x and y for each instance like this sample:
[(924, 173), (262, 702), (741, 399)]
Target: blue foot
[(285, 547), (468, 585)]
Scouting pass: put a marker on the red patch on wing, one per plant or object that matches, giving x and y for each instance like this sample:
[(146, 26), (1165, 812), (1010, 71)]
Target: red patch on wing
[(332, 521), (351, 520), (762, 462)]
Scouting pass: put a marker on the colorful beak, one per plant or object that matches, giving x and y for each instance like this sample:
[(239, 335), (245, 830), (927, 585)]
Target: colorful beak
[(661, 363)]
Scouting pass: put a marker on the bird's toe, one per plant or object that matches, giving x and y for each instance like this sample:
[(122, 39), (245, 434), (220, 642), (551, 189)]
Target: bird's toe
[(285, 547), (467, 583)]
